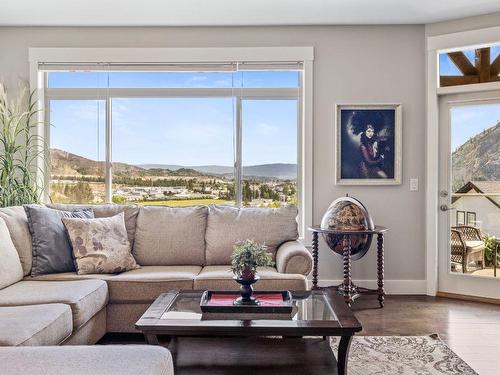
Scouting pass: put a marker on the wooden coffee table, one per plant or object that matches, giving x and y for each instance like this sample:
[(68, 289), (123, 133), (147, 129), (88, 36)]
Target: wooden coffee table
[(232, 346)]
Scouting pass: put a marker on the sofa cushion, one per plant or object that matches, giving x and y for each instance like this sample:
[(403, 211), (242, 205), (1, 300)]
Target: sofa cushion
[(143, 285), (49, 324), (11, 270), (167, 236), (100, 245), (87, 360), (221, 278), (17, 222), (227, 225), (52, 250), (85, 297), (108, 210)]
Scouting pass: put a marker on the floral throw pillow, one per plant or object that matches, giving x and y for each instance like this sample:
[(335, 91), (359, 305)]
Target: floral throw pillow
[(100, 245)]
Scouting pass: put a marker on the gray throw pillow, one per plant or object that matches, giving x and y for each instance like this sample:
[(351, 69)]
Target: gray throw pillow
[(52, 251)]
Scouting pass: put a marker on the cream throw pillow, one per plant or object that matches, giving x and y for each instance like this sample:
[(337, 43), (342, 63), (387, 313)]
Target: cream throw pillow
[(100, 245)]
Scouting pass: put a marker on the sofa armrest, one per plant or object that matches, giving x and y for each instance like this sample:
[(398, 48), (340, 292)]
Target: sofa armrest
[(293, 257)]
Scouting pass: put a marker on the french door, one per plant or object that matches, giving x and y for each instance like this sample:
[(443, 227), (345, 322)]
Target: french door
[(469, 194)]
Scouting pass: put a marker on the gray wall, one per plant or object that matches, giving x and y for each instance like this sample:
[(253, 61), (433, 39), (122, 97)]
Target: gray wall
[(463, 24), (353, 64)]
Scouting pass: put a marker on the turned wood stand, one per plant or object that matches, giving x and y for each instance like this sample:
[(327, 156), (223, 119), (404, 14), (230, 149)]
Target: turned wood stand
[(347, 289)]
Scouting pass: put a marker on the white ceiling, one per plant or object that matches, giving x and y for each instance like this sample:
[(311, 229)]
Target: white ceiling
[(235, 12)]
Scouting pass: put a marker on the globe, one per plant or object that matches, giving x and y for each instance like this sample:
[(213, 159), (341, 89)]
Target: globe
[(348, 214)]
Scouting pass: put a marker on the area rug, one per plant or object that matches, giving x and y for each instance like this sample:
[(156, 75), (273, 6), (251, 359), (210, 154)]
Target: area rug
[(422, 355)]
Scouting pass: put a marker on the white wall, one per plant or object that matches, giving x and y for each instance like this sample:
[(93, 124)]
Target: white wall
[(353, 64)]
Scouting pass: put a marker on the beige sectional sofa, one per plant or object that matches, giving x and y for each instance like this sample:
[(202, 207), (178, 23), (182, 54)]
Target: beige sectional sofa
[(177, 248)]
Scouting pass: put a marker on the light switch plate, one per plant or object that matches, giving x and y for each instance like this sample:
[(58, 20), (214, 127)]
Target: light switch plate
[(413, 184)]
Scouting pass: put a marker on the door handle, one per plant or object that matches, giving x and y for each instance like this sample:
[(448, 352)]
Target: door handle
[(444, 208)]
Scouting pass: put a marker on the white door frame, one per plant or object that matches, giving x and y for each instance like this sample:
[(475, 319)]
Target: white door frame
[(435, 45)]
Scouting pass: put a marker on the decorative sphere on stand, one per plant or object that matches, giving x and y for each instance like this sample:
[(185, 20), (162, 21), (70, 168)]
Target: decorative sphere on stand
[(348, 214)]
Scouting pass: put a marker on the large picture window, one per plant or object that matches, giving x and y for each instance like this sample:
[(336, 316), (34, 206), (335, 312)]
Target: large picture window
[(180, 135)]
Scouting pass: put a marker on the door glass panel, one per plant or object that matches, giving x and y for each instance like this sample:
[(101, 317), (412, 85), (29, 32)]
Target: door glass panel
[(77, 151), (475, 186)]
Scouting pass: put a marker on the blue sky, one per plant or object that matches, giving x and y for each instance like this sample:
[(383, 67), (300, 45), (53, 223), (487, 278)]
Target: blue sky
[(447, 68), (467, 121), (185, 131)]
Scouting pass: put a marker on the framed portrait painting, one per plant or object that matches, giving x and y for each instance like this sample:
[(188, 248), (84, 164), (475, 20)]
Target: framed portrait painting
[(368, 144)]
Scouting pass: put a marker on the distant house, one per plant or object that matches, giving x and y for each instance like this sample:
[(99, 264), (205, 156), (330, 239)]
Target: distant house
[(478, 203)]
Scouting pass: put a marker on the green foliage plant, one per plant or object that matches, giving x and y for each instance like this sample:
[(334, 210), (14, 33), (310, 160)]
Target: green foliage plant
[(247, 256), (491, 246), (20, 148)]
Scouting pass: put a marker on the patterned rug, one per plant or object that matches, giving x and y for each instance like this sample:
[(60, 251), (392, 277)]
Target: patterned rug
[(422, 355)]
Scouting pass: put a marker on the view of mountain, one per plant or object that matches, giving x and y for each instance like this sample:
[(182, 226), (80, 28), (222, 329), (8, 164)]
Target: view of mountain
[(64, 163), (278, 170), (478, 158)]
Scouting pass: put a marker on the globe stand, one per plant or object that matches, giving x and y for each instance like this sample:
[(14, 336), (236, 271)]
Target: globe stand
[(348, 289)]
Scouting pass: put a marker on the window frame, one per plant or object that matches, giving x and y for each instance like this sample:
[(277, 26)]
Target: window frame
[(257, 55), (107, 95)]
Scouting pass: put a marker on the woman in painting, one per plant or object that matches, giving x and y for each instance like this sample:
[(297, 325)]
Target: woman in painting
[(371, 159)]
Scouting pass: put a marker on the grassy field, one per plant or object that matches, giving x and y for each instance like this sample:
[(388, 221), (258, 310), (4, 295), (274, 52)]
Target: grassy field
[(183, 203)]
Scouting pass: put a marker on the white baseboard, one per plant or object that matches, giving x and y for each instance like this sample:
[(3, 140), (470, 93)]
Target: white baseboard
[(391, 286)]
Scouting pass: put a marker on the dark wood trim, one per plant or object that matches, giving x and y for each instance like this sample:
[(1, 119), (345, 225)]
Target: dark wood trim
[(464, 297)]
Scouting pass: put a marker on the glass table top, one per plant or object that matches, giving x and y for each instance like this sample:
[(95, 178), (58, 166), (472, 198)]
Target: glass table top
[(307, 306)]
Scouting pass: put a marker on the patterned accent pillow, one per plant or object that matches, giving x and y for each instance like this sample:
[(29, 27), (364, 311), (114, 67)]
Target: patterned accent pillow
[(100, 245)]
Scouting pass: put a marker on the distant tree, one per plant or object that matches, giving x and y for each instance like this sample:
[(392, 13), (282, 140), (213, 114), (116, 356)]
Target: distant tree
[(118, 199), (247, 192)]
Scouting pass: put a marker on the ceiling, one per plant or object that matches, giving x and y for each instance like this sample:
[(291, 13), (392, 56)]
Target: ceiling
[(236, 12)]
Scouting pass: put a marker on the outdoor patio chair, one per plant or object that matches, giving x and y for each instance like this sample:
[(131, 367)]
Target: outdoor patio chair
[(467, 246)]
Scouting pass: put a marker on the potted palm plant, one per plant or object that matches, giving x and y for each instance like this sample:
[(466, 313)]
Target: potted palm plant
[(246, 258)]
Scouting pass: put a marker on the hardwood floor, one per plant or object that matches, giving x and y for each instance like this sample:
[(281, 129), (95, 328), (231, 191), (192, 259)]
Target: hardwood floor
[(471, 329)]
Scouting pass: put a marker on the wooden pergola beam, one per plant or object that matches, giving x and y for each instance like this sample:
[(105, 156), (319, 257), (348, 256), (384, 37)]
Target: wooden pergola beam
[(483, 64), (462, 63), (482, 72), (458, 80)]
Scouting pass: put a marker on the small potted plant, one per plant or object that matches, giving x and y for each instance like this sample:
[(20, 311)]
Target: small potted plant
[(246, 257)]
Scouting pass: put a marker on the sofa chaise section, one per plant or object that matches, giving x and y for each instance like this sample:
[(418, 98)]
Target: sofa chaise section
[(87, 300), (87, 360), (49, 324)]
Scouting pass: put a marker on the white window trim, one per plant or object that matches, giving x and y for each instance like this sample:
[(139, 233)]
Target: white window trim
[(435, 45), (200, 55)]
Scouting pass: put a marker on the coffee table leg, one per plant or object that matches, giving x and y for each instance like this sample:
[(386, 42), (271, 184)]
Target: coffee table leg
[(151, 339), (345, 343)]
